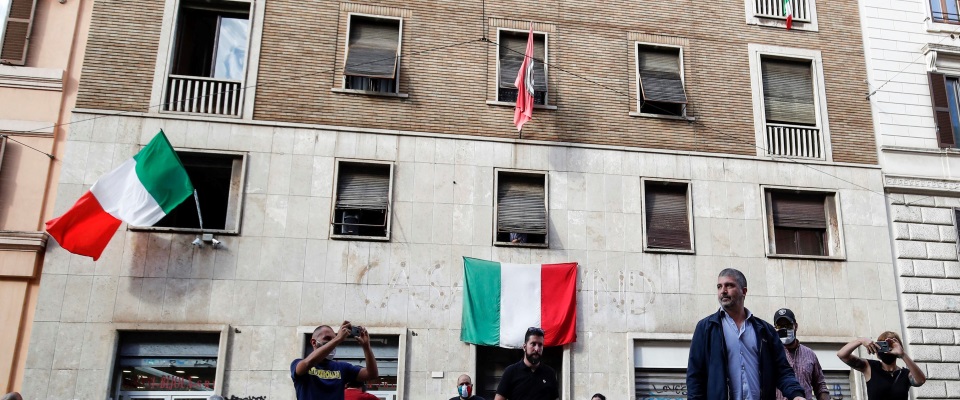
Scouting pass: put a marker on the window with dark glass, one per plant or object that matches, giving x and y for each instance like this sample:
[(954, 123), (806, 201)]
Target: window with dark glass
[(945, 11), (373, 57), (217, 180), (667, 216), (362, 205), (166, 365), (510, 55), (660, 81), (521, 209)]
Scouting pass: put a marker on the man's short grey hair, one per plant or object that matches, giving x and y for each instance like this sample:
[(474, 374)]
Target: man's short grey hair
[(736, 275), (12, 396), (216, 397)]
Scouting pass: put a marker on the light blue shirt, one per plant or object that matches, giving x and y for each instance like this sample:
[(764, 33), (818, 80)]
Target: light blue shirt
[(743, 358)]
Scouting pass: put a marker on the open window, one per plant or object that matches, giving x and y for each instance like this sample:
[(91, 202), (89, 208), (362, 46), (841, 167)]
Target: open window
[(660, 80), (510, 55), (521, 209), (208, 62), (218, 179), (166, 365), (16, 22), (362, 204), (668, 225), (373, 54), (773, 13), (803, 223)]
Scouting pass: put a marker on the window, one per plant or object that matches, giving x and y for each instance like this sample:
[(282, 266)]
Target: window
[(218, 179), (660, 78), (209, 58), (492, 361), (802, 223), (166, 365), (521, 209), (772, 13), (510, 55), (944, 11), (373, 54), (667, 222), (362, 205), (943, 93), (387, 345), (790, 110), (16, 22)]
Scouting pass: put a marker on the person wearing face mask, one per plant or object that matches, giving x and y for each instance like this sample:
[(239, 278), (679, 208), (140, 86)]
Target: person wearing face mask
[(801, 358), (465, 389), (319, 377), (885, 380)]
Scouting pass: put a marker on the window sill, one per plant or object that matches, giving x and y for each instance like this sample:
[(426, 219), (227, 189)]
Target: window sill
[(523, 245), (803, 257), (229, 232), (370, 93), (361, 238), (670, 251), (514, 104), (941, 27), (662, 116), (781, 23)]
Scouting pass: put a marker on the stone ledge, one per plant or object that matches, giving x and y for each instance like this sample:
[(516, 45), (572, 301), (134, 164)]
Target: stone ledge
[(31, 78), (20, 240)]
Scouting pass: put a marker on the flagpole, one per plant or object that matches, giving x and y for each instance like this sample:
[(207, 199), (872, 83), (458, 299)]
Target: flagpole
[(196, 200)]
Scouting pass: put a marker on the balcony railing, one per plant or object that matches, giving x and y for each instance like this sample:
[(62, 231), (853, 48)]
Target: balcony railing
[(774, 9), (199, 95), (794, 141)]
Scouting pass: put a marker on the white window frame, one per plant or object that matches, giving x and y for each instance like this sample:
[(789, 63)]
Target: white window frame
[(342, 88), (643, 201), (496, 203), (757, 51), (636, 72), (166, 48), (834, 241), (234, 208), (546, 67), (333, 202), (401, 332), (762, 20)]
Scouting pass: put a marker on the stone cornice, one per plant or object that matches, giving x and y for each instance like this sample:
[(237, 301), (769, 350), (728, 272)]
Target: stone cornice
[(913, 184), (20, 240), (31, 78)]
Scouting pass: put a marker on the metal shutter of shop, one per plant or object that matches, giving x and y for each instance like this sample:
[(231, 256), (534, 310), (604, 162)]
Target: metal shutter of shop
[(804, 211), (513, 47), (16, 37), (788, 92), (660, 76), (521, 206), (668, 224), (372, 50), (941, 110), (838, 382), (361, 187), (660, 383)]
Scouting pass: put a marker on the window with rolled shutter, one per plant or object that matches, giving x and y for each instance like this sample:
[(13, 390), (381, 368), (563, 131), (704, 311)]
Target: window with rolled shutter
[(373, 55), (15, 34), (788, 96), (660, 80), (362, 203), (660, 383), (511, 52), (667, 216), (521, 208), (799, 223)]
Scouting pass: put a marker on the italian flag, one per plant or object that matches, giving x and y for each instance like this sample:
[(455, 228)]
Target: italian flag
[(500, 301), (788, 12), (140, 192)]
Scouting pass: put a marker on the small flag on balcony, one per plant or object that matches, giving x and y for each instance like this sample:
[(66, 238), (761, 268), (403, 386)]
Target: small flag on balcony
[(524, 84), (788, 12), (140, 192)]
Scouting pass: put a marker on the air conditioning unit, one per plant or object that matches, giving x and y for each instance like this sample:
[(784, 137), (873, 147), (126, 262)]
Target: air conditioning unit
[(350, 221)]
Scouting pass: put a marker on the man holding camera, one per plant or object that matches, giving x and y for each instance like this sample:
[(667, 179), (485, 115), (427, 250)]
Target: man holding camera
[(885, 380), (320, 377), (801, 358)]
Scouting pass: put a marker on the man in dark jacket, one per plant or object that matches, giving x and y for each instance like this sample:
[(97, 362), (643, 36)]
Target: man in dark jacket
[(735, 355)]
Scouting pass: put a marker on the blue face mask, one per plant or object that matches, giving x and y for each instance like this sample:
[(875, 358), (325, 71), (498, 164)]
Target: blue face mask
[(465, 390)]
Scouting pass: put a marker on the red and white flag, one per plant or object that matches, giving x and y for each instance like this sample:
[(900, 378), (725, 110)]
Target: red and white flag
[(788, 12), (524, 83)]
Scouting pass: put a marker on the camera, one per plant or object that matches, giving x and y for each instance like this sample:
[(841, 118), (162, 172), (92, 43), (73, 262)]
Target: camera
[(355, 331), (884, 347)]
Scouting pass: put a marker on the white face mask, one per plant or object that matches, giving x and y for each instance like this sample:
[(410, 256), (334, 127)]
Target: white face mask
[(790, 337), (332, 354)]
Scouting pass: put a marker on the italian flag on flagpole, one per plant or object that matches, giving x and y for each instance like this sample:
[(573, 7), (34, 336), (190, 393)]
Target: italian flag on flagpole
[(500, 301), (140, 192), (788, 12)]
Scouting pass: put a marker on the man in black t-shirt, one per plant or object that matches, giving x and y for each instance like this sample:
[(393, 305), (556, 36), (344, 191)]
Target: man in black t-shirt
[(528, 379)]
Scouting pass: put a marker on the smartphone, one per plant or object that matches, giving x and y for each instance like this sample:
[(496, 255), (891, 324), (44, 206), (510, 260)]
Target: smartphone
[(884, 347)]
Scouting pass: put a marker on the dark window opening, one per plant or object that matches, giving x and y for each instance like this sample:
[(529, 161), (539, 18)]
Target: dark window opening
[(492, 361), (166, 361), (521, 209), (211, 39), (799, 223), (212, 177), (660, 81), (373, 56), (363, 199), (511, 54)]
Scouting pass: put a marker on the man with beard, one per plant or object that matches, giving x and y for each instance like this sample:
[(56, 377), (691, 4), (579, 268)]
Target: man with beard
[(735, 355), (528, 379), (802, 359), (885, 380)]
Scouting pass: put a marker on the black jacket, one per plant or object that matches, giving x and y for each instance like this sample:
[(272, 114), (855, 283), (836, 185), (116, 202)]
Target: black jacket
[(707, 365)]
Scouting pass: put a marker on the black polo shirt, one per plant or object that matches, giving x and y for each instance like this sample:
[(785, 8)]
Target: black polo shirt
[(519, 382)]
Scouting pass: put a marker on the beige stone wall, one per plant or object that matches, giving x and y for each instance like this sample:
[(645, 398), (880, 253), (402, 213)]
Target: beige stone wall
[(283, 271)]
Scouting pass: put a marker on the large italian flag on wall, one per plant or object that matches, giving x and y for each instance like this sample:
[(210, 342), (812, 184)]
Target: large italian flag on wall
[(500, 301), (140, 192)]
